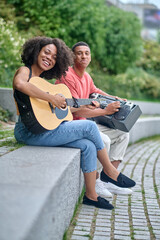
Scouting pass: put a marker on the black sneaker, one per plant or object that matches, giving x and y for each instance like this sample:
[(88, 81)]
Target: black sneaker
[(122, 180), (101, 203)]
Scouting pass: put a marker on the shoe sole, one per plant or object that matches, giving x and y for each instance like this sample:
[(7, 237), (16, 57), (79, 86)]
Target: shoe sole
[(121, 193), (105, 196)]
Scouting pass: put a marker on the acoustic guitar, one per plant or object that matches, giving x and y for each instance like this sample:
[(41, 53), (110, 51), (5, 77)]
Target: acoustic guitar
[(50, 117)]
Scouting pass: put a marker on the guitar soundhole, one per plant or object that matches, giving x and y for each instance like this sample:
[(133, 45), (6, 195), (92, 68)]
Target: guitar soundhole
[(61, 113)]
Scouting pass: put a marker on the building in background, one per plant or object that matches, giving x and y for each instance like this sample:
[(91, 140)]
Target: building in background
[(148, 14)]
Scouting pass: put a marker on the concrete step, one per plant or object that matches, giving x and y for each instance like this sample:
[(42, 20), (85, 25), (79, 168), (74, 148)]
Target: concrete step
[(145, 127), (39, 187)]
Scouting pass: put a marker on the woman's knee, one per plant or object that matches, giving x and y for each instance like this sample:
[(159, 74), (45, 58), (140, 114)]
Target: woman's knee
[(90, 124)]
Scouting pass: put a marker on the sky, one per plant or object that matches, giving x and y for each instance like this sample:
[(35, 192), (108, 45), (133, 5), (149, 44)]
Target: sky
[(156, 2)]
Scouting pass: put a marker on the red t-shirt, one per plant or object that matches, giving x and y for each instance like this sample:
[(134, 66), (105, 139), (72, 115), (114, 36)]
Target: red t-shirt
[(80, 87)]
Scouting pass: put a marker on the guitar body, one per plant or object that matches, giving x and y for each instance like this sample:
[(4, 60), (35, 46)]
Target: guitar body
[(50, 117)]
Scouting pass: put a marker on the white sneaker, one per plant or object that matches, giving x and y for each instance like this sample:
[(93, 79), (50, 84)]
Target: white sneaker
[(117, 190), (101, 190)]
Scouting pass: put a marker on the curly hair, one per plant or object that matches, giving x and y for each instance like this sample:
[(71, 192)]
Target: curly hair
[(33, 46)]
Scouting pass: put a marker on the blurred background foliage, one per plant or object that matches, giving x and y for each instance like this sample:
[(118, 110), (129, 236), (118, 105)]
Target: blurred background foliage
[(122, 63)]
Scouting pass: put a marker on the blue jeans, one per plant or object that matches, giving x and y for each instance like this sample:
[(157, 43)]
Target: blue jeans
[(82, 134)]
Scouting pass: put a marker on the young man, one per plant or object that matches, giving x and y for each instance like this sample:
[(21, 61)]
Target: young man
[(81, 85)]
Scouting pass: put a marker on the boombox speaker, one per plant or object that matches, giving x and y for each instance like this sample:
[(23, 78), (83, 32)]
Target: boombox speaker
[(124, 119)]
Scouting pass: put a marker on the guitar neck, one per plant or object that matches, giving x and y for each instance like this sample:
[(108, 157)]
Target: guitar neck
[(72, 102)]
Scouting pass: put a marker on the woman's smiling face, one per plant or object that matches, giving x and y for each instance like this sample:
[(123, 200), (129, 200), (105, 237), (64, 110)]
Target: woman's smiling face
[(47, 57)]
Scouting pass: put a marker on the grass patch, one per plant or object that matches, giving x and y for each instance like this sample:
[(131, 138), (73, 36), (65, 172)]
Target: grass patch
[(6, 133), (12, 143), (68, 233), (153, 138), (5, 115), (9, 140)]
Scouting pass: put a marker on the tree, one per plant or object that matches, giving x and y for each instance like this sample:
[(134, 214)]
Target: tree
[(10, 43), (123, 44), (113, 35)]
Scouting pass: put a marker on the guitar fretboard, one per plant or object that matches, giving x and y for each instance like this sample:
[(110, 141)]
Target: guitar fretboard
[(71, 102)]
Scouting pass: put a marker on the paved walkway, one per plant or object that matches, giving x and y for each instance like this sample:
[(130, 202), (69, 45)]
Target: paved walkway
[(134, 217)]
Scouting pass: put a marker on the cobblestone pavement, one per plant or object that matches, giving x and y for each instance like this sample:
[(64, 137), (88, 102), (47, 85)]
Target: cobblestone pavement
[(134, 217)]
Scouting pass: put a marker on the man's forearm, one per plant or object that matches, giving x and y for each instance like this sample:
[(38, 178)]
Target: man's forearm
[(106, 94), (89, 113)]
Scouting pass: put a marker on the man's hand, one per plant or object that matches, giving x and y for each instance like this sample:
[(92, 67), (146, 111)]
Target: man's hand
[(95, 104), (121, 99), (112, 108), (92, 106)]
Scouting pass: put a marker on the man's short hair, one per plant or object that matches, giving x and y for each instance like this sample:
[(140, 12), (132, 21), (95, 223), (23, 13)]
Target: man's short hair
[(79, 44)]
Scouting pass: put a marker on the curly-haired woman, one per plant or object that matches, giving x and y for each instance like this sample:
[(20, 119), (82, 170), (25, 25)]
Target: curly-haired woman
[(50, 58)]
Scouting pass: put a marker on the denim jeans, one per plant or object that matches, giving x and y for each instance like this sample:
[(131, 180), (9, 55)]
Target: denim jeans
[(82, 134)]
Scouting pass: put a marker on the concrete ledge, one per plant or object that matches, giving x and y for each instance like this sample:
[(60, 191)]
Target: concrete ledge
[(7, 101), (149, 108), (145, 127), (39, 189)]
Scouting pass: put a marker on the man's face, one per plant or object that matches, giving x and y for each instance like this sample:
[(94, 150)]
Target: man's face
[(82, 56)]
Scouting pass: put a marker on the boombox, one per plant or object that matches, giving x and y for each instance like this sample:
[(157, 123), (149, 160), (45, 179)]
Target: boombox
[(124, 119)]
